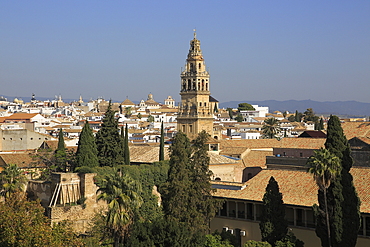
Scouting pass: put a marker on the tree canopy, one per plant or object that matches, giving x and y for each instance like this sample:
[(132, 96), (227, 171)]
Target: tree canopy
[(189, 182), (108, 140), (342, 196), (245, 107), (271, 128), (87, 154), (273, 224), (325, 167)]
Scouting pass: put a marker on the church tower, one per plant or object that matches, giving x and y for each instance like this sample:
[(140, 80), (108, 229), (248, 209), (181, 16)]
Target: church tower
[(195, 110)]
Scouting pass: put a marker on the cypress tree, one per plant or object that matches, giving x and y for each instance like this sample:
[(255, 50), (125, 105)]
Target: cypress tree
[(161, 145), (108, 140), (345, 204), (122, 141), (273, 225), (60, 153), (126, 153), (189, 183), (178, 183), (87, 154)]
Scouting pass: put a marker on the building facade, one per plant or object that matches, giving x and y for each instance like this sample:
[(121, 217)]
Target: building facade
[(195, 110)]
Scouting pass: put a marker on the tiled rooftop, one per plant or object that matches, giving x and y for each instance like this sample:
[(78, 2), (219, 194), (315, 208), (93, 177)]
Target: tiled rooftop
[(309, 143), (297, 187)]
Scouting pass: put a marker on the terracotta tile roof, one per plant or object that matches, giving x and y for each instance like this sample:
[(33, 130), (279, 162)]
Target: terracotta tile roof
[(127, 102), (297, 187), (232, 150), (215, 159), (21, 115), (308, 143), (22, 160), (356, 129), (256, 158), (146, 154)]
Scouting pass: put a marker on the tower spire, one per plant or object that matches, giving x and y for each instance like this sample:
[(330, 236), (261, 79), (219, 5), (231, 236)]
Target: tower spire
[(195, 112)]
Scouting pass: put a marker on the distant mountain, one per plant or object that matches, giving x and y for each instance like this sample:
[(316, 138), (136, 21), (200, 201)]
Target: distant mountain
[(347, 108)]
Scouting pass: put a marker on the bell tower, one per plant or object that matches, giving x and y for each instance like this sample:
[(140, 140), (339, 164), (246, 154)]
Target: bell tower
[(195, 111)]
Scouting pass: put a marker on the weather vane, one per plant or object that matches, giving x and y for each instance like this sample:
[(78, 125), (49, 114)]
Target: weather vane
[(195, 33)]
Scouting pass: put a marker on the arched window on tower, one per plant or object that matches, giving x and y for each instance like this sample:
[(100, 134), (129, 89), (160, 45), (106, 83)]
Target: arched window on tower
[(200, 66), (202, 84), (191, 67), (198, 86), (189, 84), (206, 86)]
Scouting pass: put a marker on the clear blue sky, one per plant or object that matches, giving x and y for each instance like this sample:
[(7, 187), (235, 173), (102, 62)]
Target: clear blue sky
[(255, 50)]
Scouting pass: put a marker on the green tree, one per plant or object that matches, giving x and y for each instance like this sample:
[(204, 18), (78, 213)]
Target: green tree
[(230, 111), (121, 193), (23, 224), (245, 107), (189, 183), (291, 118), (126, 151), (150, 119), (320, 126), (139, 116), (12, 181), (215, 240), (298, 116), (271, 128), (252, 243), (60, 153), (161, 144), (273, 224), (342, 195), (325, 167), (239, 118), (108, 140), (128, 111), (289, 241), (87, 154)]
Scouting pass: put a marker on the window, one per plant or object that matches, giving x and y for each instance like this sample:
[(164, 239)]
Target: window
[(183, 128), (190, 128)]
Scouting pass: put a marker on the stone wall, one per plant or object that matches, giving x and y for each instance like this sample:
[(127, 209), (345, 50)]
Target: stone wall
[(68, 196)]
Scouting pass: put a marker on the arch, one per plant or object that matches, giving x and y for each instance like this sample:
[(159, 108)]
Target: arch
[(206, 86), (191, 67), (203, 84), (217, 179), (200, 66), (189, 84)]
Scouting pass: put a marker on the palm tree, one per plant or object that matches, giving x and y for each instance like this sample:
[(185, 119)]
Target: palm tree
[(12, 180), (122, 195), (271, 128), (324, 166)]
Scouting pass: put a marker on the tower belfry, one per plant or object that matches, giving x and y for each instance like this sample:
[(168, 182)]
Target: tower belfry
[(195, 110)]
